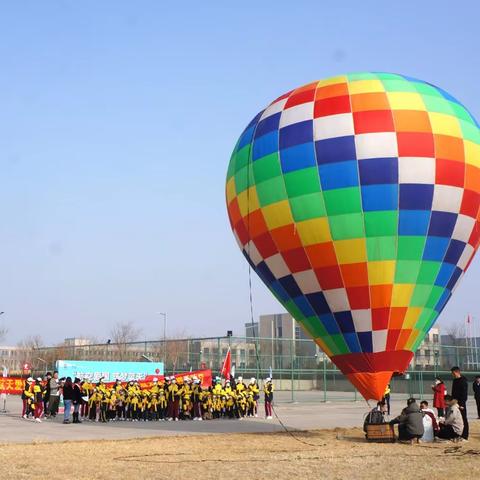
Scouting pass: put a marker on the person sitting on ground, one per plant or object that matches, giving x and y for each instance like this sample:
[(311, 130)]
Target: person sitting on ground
[(430, 424), (410, 422), (376, 416), (451, 428)]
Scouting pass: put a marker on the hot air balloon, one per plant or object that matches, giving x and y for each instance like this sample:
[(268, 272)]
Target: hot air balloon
[(356, 200)]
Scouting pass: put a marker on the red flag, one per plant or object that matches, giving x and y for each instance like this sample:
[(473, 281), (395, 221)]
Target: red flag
[(227, 366)]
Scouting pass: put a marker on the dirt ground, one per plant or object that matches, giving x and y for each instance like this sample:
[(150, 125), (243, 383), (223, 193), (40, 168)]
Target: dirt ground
[(327, 454)]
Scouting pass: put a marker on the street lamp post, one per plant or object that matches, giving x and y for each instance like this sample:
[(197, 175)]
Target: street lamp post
[(44, 362), (164, 315)]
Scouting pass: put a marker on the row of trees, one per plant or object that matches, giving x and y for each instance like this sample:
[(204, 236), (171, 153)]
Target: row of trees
[(33, 350)]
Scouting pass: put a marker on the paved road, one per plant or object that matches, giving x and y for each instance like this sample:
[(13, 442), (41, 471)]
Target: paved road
[(296, 416)]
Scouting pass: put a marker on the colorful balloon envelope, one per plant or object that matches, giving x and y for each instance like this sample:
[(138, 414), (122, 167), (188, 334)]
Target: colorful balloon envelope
[(356, 201)]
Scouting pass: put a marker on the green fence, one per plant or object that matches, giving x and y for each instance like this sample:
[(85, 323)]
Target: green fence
[(298, 366)]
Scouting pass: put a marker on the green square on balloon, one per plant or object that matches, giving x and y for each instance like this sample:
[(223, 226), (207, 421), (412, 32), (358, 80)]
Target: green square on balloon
[(342, 200), (314, 327), (381, 248), (244, 179), (406, 271), (294, 311), (266, 167), (398, 85), (307, 207), (437, 104), (426, 89), (428, 272), (434, 297), (410, 247), (242, 157), (340, 343), (420, 296), (302, 182), (388, 76), (331, 344), (423, 319), (381, 223), (343, 227), (461, 112), (470, 131), (271, 191)]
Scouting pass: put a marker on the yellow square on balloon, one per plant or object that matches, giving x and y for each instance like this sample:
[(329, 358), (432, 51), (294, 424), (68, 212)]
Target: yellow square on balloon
[(401, 294), (405, 101), (411, 339), (277, 214), (365, 86), (381, 273), (248, 201), (351, 251), (316, 230), (411, 317), (445, 124), (332, 81), (472, 153), (230, 190)]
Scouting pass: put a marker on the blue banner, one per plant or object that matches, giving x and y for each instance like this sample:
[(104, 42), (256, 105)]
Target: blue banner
[(109, 371)]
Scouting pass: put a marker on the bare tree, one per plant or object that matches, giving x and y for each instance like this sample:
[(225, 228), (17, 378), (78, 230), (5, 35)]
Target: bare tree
[(121, 335), (456, 331), (28, 347)]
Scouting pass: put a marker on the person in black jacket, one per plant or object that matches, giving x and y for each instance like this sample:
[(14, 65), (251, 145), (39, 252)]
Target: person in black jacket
[(460, 394), (77, 400), (67, 390), (46, 394), (476, 393)]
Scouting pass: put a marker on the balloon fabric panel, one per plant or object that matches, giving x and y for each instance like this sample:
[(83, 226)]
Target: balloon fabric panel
[(356, 200)]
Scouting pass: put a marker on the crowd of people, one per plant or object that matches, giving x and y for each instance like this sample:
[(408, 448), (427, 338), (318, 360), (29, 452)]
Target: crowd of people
[(171, 399), (419, 422)]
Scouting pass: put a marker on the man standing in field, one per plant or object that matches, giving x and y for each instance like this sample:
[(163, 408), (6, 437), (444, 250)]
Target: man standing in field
[(460, 394), (54, 398), (476, 393)]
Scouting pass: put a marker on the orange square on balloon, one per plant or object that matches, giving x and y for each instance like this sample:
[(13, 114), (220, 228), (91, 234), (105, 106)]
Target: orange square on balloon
[(397, 316), (329, 91), (234, 212), (321, 254), (411, 121), (472, 178), (256, 223), (450, 148), (403, 338), (354, 274), (362, 102), (286, 237), (380, 296)]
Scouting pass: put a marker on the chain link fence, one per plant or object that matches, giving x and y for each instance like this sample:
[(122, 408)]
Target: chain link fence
[(299, 368)]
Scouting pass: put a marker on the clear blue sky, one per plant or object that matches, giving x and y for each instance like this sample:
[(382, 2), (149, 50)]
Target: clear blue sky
[(117, 120)]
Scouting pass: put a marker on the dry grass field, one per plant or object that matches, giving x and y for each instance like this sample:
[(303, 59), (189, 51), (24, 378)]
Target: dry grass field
[(327, 454)]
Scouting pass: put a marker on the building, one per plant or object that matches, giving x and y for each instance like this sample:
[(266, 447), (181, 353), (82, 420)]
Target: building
[(12, 359), (429, 354), (460, 351), (284, 343), (251, 330), (76, 342)]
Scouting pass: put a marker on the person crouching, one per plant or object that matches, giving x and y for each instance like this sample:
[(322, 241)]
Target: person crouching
[(410, 423)]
